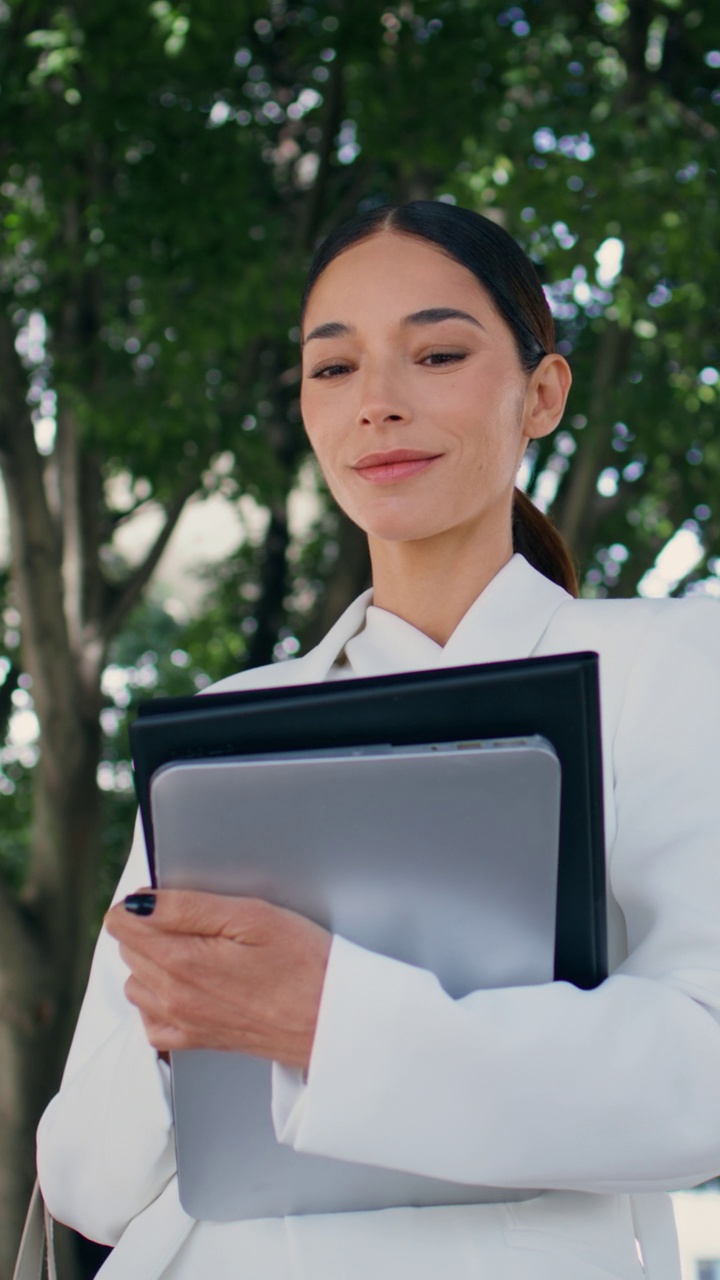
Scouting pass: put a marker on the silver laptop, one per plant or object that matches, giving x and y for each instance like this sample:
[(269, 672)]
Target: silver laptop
[(441, 855)]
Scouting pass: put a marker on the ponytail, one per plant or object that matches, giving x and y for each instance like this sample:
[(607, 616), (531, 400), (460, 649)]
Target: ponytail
[(537, 539)]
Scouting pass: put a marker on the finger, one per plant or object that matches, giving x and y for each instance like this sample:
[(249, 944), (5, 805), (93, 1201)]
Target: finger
[(161, 1034), (175, 1009), (163, 1037), (149, 967), (173, 1021), (188, 911), (212, 914), (176, 963), (145, 998), (121, 920)]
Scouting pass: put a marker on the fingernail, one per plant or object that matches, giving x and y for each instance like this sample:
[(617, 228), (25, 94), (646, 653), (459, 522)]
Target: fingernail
[(141, 904)]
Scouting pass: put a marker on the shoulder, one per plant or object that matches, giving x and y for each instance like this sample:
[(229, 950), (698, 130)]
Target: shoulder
[(311, 668), (655, 651), (274, 675), (630, 625)]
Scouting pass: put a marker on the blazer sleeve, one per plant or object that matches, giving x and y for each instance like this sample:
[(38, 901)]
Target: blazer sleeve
[(105, 1146), (614, 1089)]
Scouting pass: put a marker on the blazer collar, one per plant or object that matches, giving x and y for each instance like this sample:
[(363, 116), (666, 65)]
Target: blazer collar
[(318, 661), (506, 621)]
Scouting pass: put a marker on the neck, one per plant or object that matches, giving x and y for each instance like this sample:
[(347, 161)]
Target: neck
[(432, 583)]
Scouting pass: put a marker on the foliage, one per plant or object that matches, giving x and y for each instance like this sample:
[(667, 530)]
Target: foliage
[(165, 170), (608, 138), (162, 189)]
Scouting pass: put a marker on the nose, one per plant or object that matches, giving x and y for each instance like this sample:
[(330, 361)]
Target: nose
[(381, 400)]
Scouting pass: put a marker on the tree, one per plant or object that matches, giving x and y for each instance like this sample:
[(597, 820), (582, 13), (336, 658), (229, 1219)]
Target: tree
[(166, 170), (117, 314), (607, 149)]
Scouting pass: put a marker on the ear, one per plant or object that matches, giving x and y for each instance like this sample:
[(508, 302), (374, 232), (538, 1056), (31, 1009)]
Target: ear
[(545, 397)]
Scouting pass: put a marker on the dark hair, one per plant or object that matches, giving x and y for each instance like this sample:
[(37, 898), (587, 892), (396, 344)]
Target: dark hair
[(510, 279)]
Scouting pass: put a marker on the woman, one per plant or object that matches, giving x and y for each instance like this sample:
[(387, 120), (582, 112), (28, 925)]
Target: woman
[(428, 365)]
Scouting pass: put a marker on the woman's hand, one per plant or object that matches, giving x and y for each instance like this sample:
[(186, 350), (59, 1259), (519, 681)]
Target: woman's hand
[(214, 972)]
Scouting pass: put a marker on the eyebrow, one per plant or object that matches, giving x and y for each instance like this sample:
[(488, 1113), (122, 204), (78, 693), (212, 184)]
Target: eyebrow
[(332, 329), (430, 315), (433, 315)]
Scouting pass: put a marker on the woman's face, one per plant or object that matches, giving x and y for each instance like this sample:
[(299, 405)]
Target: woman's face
[(413, 395)]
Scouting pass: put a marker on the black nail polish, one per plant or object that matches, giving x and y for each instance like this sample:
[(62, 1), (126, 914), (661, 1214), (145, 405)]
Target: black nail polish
[(141, 904)]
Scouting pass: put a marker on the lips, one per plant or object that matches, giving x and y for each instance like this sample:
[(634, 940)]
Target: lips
[(391, 456), (393, 466)]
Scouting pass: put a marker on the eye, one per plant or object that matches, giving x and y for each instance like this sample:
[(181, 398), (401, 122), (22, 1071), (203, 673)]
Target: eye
[(327, 371), (435, 358)]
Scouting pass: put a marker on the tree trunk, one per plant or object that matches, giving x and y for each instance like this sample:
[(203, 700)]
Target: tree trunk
[(577, 509), (69, 615), (271, 605), (350, 576), (45, 945)]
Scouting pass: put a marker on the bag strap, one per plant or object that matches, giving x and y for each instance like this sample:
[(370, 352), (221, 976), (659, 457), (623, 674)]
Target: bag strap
[(36, 1244), (50, 1258), (655, 1231)]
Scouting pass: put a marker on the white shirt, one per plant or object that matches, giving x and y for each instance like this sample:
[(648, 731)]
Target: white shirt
[(609, 1092)]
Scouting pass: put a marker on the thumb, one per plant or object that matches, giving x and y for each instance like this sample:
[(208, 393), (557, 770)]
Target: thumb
[(190, 911)]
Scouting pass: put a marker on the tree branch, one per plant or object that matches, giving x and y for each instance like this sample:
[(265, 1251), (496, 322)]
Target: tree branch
[(310, 223), (696, 122), (71, 516), (270, 610), (350, 576), (574, 512), (93, 527), (635, 33), (127, 596), (119, 518), (35, 551), (15, 939), (17, 438)]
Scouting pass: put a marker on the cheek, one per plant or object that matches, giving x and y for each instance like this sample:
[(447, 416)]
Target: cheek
[(322, 439), (309, 414), (322, 418)]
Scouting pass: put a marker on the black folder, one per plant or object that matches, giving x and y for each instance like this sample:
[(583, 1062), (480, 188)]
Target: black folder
[(556, 697)]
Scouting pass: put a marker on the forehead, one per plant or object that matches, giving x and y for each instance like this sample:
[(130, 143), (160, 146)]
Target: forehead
[(390, 275)]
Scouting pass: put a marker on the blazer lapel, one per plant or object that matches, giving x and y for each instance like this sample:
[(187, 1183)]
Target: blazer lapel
[(312, 668), (508, 619), (315, 665)]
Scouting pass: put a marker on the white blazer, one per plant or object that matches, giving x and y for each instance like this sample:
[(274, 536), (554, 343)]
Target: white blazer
[(605, 1098)]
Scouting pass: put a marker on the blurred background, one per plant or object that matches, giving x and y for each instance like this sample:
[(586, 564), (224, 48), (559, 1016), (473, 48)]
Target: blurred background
[(165, 172)]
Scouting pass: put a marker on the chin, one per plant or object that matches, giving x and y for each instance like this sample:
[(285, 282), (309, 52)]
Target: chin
[(401, 518), (400, 530)]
